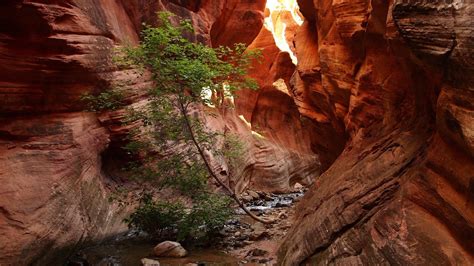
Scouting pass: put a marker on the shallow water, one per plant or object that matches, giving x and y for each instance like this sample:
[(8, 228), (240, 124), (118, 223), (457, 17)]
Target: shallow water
[(130, 254), (281, 200), (127, 250)]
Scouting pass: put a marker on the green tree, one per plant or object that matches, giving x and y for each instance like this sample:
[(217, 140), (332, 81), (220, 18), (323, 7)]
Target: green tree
[(176, 145), (169, 220)]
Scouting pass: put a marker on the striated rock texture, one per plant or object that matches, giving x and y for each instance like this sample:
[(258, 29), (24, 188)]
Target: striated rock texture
[(272, 161), (383, 94), (282, 154), (55, 159), (53, 188), (394, 78)]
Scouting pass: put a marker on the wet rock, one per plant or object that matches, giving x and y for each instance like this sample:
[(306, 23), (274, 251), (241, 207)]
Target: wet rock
[(109, 261), (258, 227), (246, 198), (264, 260), (234, 222), (238, 244), (259, 236), (78, 260), (150, 262), (248, 242), (285, 227), (267, 197), (256, 253), (259, 232), (254, 195), (283, 204), (242, 238), (170, 249), (298, 186)]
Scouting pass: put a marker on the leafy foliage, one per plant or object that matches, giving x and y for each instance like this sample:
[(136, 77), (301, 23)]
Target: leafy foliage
[(183, 71), (107, 100), (233, 151), (157, 218), (206, 218), (173, 141), (169, 220), (184, 68)]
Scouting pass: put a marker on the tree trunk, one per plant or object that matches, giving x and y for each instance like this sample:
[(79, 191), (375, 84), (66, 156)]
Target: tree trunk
[(209, 169)]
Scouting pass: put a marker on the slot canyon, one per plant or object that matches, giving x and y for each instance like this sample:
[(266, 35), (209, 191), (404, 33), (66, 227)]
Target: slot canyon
[(367, 104)]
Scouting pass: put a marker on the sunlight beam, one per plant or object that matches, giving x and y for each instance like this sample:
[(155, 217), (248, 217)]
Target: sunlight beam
[(277, 27)]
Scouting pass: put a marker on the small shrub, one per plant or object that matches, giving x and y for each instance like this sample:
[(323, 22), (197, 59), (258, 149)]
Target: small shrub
[(209, 214), (107, 100), (159, 219), (171, 221), (233, 151), (191, 180), (177, 138)]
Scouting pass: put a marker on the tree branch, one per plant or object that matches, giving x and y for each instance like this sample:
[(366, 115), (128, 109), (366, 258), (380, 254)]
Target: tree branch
[(209, 168)]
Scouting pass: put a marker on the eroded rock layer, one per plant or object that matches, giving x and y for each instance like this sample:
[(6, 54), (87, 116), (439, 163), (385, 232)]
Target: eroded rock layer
[(282, 154), (54, 156), (396, 78), (383, 93)]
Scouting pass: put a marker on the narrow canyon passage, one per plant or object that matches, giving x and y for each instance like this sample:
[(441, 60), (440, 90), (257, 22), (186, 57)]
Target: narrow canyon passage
[(367, 106)]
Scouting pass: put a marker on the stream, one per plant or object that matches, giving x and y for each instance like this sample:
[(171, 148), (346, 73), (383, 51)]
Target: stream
[(268, 202), (130, 253), (127, 250)]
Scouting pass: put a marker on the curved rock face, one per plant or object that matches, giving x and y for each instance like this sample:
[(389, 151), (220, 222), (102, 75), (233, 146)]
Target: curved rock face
[(54, 194), (396, 77), (272, 160), (283, 153), (383, 93)]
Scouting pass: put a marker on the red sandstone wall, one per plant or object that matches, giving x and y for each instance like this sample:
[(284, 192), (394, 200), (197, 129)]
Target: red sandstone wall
[(396, 77), (387, 83), (53, 195)]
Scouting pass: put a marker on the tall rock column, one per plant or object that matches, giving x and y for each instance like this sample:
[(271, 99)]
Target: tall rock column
[(398, 76)]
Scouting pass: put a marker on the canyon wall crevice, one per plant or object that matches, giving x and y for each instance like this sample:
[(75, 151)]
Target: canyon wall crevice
[(55, 187), (396, 77), (382, 97)]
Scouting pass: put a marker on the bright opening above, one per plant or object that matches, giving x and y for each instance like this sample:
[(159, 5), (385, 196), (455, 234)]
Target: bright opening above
[(282, 15)]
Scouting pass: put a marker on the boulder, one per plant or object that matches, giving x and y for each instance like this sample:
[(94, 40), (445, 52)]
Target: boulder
[(254, 195), (259, 232), (170, 249), (150, 262)]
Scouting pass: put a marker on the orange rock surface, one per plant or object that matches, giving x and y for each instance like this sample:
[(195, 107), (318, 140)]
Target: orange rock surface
[(381, 100), (396, 78), (54, 158)]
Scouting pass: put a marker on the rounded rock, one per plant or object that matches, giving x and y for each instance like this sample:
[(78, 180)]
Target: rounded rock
[(170, 249), (150, 262)]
